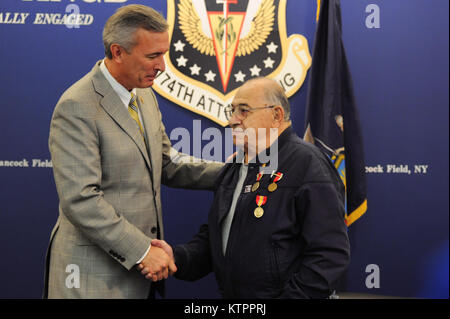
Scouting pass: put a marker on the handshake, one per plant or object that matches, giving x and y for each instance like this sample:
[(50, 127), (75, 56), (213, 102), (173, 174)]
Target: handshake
[(159, 262)]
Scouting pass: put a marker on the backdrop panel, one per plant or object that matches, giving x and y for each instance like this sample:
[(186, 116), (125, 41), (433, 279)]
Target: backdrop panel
[(400, 74)]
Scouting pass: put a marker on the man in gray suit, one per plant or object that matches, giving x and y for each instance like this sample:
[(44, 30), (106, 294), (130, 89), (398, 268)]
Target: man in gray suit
[(110, 154)]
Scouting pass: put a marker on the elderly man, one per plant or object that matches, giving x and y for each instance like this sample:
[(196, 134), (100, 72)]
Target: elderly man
[(270, 234), (110, 155)]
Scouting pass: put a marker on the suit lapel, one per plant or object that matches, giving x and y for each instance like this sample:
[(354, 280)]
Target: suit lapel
[(149, 125), (112, 104)]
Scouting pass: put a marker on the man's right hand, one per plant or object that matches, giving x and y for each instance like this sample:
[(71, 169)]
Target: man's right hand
[(157, 264), (165, 246)]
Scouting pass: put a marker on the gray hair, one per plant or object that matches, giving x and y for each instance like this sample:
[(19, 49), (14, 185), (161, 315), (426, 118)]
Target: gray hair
[(121, 27)]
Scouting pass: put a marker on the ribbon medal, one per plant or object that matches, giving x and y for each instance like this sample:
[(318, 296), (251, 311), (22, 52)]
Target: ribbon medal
[(256, 185), (273, 186), (260, 200)]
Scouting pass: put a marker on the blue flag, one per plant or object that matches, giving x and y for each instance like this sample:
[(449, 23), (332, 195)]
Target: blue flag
[(332, 121)]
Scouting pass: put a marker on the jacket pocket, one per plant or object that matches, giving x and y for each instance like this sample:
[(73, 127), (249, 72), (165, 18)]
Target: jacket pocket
[(275, 266)]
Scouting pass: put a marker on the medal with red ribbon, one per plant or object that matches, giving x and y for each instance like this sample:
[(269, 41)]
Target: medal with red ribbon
[(273, 186), (260, 200), (256, 185)]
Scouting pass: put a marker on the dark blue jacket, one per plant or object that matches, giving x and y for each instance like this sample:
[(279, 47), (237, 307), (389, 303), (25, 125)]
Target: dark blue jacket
[(297, 249)]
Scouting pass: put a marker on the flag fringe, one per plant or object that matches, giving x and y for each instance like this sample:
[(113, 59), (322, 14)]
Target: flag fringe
[(357, 213), (318, 10)]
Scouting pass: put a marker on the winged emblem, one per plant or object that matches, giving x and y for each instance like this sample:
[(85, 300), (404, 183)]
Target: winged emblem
[(191, 27), (217, 45)]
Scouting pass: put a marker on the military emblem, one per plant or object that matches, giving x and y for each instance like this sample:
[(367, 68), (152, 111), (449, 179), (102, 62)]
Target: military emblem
[(216, 45)]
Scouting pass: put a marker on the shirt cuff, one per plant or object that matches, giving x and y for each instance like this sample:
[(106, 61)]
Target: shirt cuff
[(143, 256)]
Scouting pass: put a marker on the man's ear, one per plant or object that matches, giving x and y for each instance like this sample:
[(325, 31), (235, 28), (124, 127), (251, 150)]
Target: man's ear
[(278, 114), (117, 52)]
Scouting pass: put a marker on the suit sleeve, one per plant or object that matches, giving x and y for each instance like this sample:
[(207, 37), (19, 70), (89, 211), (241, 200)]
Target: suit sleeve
[(327, 251), (193, 259), (75, 150), (183, 171)]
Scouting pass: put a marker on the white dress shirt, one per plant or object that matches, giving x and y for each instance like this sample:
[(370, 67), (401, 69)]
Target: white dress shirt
[(122, 92)]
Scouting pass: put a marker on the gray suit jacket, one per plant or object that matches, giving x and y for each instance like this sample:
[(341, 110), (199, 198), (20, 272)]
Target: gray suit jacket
[(108, 181)]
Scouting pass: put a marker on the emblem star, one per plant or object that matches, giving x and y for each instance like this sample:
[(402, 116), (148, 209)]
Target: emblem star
[(210, 76), (182, 61), (239, 76), (195, 69), (268, 63), (179, 46), (255, 70), (272, 47)]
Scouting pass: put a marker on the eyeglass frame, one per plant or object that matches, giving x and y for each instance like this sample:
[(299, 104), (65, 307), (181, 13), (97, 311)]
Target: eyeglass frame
[(229, 110)]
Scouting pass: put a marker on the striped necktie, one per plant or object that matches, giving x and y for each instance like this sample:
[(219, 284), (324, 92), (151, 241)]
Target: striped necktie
[(133, 110)]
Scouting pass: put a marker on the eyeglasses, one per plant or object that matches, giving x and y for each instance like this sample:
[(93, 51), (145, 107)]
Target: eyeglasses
[(241, 111)]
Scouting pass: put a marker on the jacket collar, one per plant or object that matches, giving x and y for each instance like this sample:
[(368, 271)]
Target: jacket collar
[(265, 157)]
